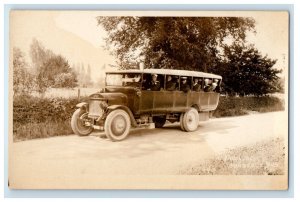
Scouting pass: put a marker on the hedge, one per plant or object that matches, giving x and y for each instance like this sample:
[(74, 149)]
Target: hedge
[(234, 106)]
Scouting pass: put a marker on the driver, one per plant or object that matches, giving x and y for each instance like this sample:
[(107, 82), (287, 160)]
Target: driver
[(154, 84)]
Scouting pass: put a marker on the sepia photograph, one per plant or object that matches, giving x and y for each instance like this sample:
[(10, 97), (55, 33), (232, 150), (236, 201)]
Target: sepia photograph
[(152, 100)]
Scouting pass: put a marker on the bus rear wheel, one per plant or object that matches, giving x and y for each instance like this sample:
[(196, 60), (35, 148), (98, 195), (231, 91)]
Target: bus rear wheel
[(181, 122), (190, 120)]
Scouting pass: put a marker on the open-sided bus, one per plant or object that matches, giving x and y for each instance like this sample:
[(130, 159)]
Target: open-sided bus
[(134, 98)]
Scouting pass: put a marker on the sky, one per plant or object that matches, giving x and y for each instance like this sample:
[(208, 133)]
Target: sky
[(76, 35)]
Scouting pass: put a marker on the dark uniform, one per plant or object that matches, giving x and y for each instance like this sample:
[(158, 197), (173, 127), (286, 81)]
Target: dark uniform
[(197, 87), (185, 87), (207, 88), (170, 85), (155, 85)]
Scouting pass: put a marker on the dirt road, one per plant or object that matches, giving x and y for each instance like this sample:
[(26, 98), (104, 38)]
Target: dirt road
[(145, 152)]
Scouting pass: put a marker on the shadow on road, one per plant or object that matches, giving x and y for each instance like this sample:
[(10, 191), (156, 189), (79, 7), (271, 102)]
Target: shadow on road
[(169, 138)]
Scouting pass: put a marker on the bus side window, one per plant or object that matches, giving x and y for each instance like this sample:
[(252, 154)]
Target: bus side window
[(170, 83), (146, 81), (155, 82), (216, 85), (176, 80), (185, 84), (197, 84), (161, 79), (207, 85)]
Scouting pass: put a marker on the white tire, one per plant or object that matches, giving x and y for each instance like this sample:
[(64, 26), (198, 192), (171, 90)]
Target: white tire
[(117, 125), (78, 126), (191, 120)]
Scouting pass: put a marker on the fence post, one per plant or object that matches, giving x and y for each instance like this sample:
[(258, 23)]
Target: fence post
[(78, 94)]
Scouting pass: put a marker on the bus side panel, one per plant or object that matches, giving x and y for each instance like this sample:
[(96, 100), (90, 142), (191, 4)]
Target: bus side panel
[(163, 101), (208, 101), (180, 101), (213, 100), (204, 99), (146, 101), (194, 99)]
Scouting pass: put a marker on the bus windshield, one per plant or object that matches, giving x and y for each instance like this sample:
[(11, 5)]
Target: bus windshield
[(120, 79)]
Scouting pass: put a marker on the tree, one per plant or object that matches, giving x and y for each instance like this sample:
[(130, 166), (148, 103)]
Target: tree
[(49, 66), (22, 79), (65, 80), (57, 69), (209, 44), (39, 54), (192, 43), (246, 72)]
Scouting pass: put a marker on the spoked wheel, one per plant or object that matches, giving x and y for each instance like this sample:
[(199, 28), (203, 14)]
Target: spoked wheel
[(78, 123), (190, 120), (159, 121), (117, 125)]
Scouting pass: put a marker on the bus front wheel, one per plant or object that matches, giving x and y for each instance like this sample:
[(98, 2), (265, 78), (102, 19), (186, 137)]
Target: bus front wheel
[(117, 125)]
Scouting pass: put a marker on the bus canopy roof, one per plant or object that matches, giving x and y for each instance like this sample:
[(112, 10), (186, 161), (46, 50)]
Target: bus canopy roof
[(168, 72)]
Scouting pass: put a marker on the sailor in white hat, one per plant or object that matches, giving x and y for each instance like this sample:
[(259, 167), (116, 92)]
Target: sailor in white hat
[(184, 86), (207, 87), (214, 84)]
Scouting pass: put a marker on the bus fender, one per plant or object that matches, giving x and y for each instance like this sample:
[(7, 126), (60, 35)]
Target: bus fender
[(82, 105), (114, 107)]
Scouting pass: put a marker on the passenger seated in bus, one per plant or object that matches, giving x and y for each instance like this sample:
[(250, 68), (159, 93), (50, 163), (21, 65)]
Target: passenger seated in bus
[(145, 83), (184, 86), (214, 85), (154, 84), (170, 84), (176, 80), (207, 87), (196, 86)]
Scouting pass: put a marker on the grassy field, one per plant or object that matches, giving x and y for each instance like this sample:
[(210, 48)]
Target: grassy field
[(264, 158), (68, 92)]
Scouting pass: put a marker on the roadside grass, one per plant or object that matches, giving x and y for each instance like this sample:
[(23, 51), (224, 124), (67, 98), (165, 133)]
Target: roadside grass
[(264, 158), (29, 131)]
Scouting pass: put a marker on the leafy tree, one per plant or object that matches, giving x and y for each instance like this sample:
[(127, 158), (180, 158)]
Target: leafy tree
[(191, 43), (22, 78), (39, 54), (246, 72), (53, 67), (49, 66), (65, 80), (209, 44)]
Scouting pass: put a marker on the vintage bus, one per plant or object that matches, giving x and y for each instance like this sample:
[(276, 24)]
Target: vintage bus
[(136, 98)]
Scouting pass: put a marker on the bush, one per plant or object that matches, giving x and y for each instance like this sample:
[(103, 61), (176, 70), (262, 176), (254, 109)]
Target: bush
[(235, 106), (35, 117)]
